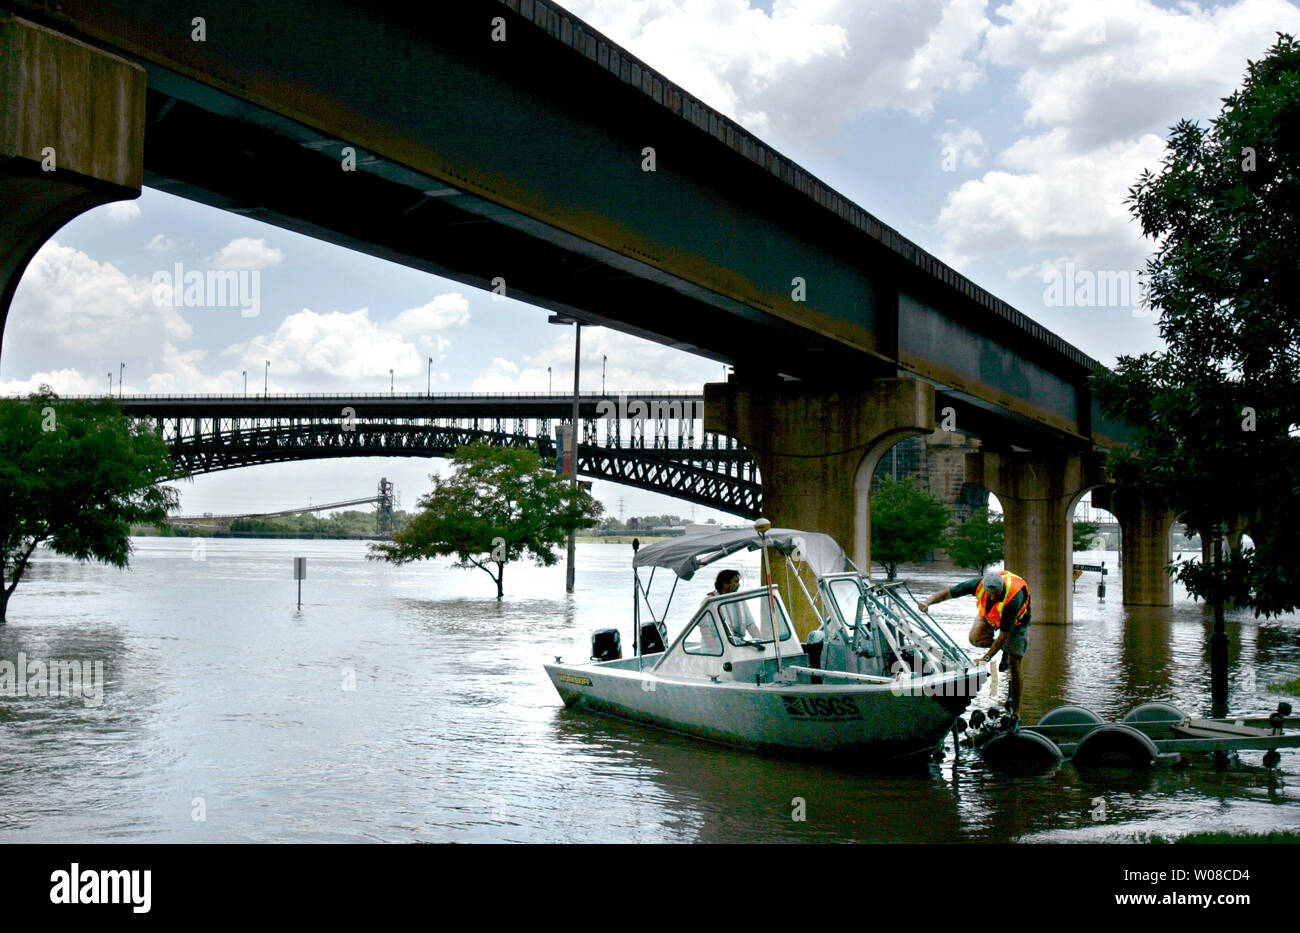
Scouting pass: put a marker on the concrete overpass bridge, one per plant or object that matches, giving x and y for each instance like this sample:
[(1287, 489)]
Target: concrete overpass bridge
[(507, 145)]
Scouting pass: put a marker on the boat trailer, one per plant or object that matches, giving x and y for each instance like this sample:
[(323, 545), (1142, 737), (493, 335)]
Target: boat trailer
[(1151, 734)]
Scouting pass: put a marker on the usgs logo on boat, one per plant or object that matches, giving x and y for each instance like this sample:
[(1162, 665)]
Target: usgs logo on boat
[(821, 709)]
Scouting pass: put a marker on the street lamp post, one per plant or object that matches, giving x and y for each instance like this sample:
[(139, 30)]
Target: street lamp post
[(390, 382), (548, 380), (603, 360), (573, 457), (573, 435), (245, 382), (266, 380), (110, 385), (429, 388), (121, 373)]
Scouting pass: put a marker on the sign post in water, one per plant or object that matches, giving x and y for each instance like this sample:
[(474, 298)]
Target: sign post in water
[(300, 574)]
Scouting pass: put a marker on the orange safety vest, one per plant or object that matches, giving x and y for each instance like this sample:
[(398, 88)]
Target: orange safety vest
[(990, 611)]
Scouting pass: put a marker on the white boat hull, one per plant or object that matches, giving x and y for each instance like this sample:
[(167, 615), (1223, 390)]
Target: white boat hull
[(871, 724)]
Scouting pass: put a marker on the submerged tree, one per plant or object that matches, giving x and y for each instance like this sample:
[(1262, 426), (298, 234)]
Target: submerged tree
[(907, 523), (1215, 414), (499, 504), (975, 543), (75, 476), (1084, 534)]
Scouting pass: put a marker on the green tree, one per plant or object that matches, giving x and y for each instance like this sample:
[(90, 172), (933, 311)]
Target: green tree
[(1214, 415), (907, 523), (74, 476), (498, 505), (975, 543), (1084, 532)]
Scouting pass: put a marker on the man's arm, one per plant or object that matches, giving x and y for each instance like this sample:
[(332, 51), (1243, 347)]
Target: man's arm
[(965, 588), (939, 597), (1004, 635)]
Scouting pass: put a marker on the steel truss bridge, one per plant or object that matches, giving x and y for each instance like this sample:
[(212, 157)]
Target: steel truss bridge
[(647, 440)]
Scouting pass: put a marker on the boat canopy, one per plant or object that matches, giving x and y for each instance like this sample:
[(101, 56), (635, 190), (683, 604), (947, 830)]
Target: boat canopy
[(687, 554)]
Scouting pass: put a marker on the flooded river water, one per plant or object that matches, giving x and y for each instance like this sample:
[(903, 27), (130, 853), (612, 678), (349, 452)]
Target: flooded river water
[(408, 704)]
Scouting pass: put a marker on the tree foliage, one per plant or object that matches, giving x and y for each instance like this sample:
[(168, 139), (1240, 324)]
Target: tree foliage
[(907, 523), (975, 543), (1215, 414), (499, 505), (1084, 533), (75, 476)]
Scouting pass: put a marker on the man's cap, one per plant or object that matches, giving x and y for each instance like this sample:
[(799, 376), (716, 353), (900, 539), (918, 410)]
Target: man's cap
[(993, 582)]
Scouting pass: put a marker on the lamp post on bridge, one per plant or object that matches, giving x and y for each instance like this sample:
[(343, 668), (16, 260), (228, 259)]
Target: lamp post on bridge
[(110, 385), (121, 375), (390, 382), (245, 383), (429, 387), (266, 380), (603, 360)]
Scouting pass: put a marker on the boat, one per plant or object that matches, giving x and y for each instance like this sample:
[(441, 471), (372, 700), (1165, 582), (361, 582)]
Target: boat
[(877, 682)]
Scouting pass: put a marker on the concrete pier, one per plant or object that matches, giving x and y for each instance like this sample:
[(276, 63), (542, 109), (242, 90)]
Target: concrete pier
[(1145, 545), (71, 138), (1038, 493), (817, 446)]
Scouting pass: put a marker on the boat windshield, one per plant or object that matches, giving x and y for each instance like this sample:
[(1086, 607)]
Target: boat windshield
[(849, 601), (747, 619)]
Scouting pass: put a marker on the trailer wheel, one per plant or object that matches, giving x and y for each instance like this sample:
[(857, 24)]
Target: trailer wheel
[(1115, 745), (1023, 748), (1155, 712), (1070, 715)]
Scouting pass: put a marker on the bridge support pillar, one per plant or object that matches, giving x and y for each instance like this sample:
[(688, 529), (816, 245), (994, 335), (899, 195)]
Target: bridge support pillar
[(71, 138), (1145, 545), (817, 446), (1038, 493)]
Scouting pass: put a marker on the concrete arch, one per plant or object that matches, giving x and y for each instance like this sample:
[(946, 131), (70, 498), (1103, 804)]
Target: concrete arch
[(71, 139)]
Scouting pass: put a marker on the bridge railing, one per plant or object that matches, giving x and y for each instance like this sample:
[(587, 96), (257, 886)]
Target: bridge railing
[(408, 397)]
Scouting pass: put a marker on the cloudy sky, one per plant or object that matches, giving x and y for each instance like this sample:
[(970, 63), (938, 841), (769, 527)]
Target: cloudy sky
[(1001, 136)]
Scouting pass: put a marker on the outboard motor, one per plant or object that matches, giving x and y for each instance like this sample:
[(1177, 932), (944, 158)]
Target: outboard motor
[(652, 641), (606, 645)]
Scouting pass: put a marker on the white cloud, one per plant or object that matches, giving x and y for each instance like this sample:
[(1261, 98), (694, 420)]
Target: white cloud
[(67, 303), (1114, 69), (122, 212), (247, 253), (1102, 82), (504, 376), (962, 149), (160, 243), (808, 68), (63, 381), (631, 365), (421, 325), (347, 351), (1054, 200)]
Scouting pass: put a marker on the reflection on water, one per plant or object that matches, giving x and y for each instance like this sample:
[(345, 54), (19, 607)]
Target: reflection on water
[(408, 704)]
